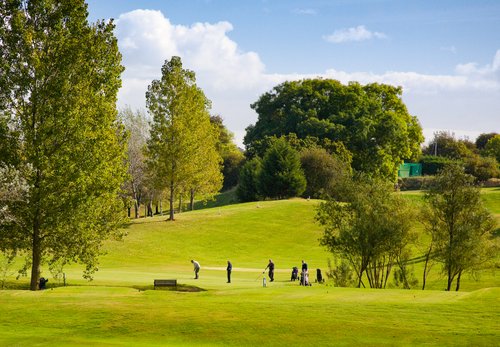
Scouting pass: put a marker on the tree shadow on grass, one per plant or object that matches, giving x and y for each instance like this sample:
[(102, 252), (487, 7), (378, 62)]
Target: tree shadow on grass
[(18, 285)]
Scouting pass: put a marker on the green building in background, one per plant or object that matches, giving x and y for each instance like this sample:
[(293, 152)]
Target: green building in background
[(410, 170)]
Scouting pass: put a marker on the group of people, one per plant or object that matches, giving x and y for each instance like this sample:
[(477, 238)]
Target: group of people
[(304, 277), (197, 268)]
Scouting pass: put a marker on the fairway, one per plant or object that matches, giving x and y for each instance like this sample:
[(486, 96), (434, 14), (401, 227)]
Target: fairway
[(120, 306)]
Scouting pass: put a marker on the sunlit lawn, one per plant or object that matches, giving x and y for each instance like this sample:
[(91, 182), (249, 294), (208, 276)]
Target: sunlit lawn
[(120, 306)]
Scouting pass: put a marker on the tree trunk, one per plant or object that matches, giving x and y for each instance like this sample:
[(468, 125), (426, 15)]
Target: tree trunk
[(360, 275), (427, 257), (36, 257), (150, 208), (191, 200), (129, 211), (157, 212), (136, 209), (171, 201), (180, 203), (161, 208), (458, 281)]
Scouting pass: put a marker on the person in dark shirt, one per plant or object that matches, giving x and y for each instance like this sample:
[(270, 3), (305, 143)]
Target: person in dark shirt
[(229, 269), (304, 266), (271, 270)]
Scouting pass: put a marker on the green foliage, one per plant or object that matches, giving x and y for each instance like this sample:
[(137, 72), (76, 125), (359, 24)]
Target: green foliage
[(182, 155), (371, 121), (492, 147), (482, 168), (371, 231), (432, 164), (7, 259), (232, 156), (324, 173), (59, 77), (281, 175), (459, 225), (444, 144), (483, 139), (248, 180), (336, 148), (342, 274)]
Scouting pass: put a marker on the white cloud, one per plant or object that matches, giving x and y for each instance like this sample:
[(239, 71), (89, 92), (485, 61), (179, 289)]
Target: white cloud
[(233, 79), (359, 33)]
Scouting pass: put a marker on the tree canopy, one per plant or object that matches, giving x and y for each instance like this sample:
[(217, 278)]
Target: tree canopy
[(372, 230), (59, 78), (281, 175), (181, 150), (460, 226), (371, 120)]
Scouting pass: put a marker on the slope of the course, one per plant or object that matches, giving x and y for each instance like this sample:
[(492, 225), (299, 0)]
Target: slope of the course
[(120, 306)]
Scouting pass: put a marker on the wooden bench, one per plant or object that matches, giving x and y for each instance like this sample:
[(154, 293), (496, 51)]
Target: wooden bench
[(165, 283)]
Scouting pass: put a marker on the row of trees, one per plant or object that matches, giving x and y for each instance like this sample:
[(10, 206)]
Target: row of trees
[(68, 160), (373, 230), (480, 158), (285, 171), (193, 151)]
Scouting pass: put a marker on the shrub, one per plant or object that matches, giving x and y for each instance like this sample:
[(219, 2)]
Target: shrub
[(415, 183), (342, 274), (431, 164)]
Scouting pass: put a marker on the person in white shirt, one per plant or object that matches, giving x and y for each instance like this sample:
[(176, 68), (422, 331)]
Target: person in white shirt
[(196, 268)]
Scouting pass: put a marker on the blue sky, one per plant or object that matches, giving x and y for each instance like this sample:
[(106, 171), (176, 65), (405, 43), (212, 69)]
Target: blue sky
[(445, 54)]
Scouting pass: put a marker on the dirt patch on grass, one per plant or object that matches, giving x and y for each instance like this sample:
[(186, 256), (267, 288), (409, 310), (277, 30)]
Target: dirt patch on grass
[(177, 288)]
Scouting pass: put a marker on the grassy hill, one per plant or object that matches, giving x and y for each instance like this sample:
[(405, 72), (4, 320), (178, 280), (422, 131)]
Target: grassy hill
[(120, 308)]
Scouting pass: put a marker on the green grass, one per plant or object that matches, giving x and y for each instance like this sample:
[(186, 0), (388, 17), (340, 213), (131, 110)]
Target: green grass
[(273, 316), (120, 308)]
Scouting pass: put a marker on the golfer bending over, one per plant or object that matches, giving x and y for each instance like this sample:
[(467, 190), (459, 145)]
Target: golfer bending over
[(196, 268)]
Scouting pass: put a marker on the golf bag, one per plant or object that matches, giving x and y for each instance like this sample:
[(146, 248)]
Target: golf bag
[(295, 274), (319, 277), (304, 278), (42, 283)]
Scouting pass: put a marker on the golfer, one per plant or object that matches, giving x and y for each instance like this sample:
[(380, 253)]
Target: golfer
[(229, 269), (196, 268), (271, 270)]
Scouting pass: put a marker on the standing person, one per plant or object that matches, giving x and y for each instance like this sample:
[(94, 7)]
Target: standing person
[(271, 270), (196, 268), (304, 275), (229, 269)]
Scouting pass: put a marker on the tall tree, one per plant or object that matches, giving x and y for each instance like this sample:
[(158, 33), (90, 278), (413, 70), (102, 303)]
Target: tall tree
[(371, 121), (137, 128), (460, 226), (181, 149), (281, 175), (248, 180), (59, 77)]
